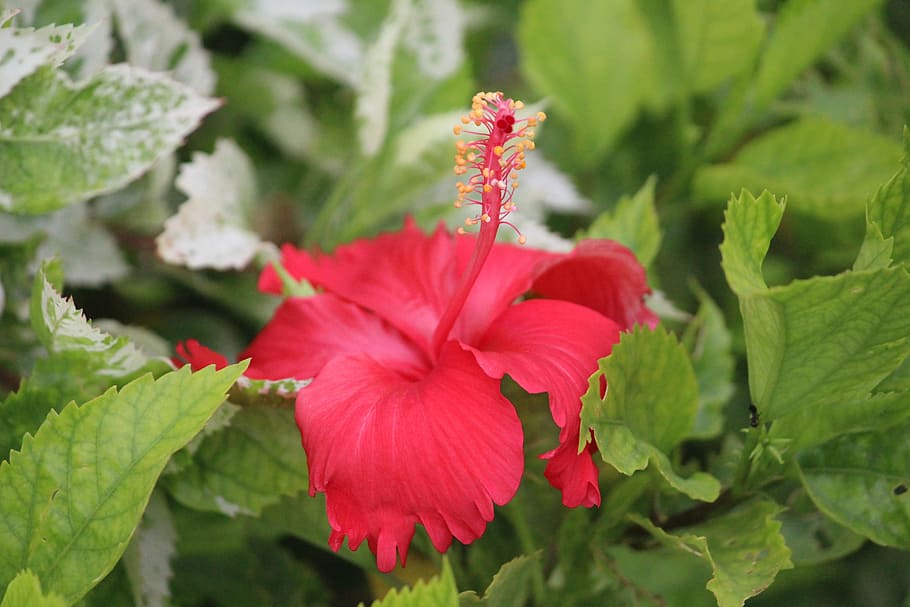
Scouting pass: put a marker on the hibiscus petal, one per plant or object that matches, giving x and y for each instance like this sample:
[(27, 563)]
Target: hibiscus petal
[(305, 333), (406, 277), (548, 346), (553, 346), (390, 452), (602, 275), (507, 274), (573, 473), (197, 356)]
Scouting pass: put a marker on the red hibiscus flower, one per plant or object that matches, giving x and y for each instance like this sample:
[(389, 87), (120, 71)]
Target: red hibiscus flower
[(408, 339)]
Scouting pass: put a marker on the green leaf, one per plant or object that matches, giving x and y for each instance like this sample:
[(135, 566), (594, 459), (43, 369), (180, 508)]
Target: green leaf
[(889, 209), (25, 591), (797, 40), (74, 493), (510, 585), (816, 348), (649, 407), (632, 223), (245, 466), (607, 45), (744, 548), (876, 250), (149, 555), (860, 480), (24, 50), (824, 168), (440, 591), (709, 343), (77, 140), (719, 39), (211, 229), (812, 537)]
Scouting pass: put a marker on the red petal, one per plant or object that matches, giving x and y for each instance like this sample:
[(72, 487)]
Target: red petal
[(548, 346), (305, 333), (406, 277), (197, 356), (573, 473), (507, 275), (553, 346), (602, 275), (390, 453)]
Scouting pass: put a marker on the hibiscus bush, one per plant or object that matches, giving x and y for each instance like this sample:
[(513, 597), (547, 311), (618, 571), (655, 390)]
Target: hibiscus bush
[(252, 354)]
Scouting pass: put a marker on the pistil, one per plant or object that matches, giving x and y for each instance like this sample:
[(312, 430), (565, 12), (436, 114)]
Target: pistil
[(495, 160)]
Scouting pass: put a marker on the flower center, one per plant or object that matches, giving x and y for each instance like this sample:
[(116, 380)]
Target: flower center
[(493, 158)]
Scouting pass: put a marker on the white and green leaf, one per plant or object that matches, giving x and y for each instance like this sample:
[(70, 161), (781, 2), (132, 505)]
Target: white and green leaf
[(64, 142), (211, 229)]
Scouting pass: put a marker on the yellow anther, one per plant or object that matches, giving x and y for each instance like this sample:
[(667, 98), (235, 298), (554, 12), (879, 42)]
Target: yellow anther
[(477, 123), (470, 221), (541, 116), (514, 185), (521, 165), (456, 130), (471, 157), (465, 120), (507, 206), (529, 134), (457, 204), (460, 170), (530, 145), (460, 161), (532, 121), (498, 150), (487, 187), (486, 173), (519, 105), (522, 239), (460, 231), (513, 175), (485, 218)]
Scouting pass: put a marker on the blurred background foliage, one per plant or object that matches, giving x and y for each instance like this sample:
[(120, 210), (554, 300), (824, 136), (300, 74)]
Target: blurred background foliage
[(344, 108)]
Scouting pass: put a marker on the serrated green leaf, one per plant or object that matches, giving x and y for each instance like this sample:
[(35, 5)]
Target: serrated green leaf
[(797, 41), (244, 466), (860, 480), (154, 38), (744, 547), (710, 343), (510, 586), (25, 591), (64, 142), (74, 493), (607, 45), (440, 591), (24, 50), (632, 223), (148, 558), (719, 38), (816, 348), (211, 229), (876, 250), (649, 407), (823, 168), (889, 209)]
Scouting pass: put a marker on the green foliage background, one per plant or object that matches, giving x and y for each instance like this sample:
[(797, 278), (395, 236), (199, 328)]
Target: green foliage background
[(752, 153)]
